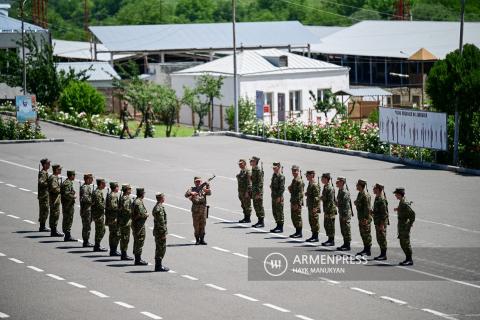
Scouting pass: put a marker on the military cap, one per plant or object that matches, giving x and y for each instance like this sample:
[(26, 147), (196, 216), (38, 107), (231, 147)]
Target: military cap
[(277, 164), (99, 180), (342, 179), (56, 166), (310, 172), (378, 186), (362, 182), (197, 178), (254, 158), (87, 175), (44, 161), (160, 195), (70, 173), (113, 184), (242, 160), (326, 175), (140, 191), (399, 191), (125, 187), (295, 167)]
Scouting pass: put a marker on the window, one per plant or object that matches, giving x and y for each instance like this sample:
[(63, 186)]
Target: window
[(269, 100), (295, 98)]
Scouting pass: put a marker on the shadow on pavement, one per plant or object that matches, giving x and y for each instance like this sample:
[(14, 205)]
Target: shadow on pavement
[(51, 241), (141, 271), (94, 256), (37, 237), (237, 227), (226, 222), (27, 231), (121, 265), (80, 251), (181, 245), (68, 247), (106, 260)]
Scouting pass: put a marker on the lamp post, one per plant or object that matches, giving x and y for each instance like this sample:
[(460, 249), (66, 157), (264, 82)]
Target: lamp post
[(22, 7), (456, 134), (235, 93)]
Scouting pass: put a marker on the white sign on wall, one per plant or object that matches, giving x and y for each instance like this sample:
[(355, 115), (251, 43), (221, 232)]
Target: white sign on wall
[(413, 128)]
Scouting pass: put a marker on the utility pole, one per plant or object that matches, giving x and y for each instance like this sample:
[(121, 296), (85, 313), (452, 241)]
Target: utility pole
[(455, 139), (22, 11), (235, 93)]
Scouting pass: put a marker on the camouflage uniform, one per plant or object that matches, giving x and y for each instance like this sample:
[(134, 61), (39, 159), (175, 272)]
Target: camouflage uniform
[(278, 188), (124, 116), (406, 217), (345, 214), (313, 205), (296, 201), (86, 201), (329, 210), (257, 192), (363, 204), (55, 200), (244, 192), (111, 213), (149, 117), (199, 212), (159, 230), (124, 221), (139, 216), (98, 215), (42, 196), (380, 219), (68, 206)]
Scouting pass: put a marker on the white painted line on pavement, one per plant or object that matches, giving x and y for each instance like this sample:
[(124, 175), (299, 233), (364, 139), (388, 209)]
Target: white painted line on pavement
[(15, 260), (2, 254), (18, 165), (1, 212), (269, 305), (29, 221), (330, 281), (12, 216), (241, 255), (441, 277), (400, 302), (34, 192), (11, 185), (172, 271), (259, 230), (299, 316), (176, 207), (176, 236), (245, 297), (125, 305), (215, 287), (1, 182), (78, 285), (54, 276), (363, 291), (35, 268), (186, 276), (4, 315), (192, 241), (218, 218), (220, 249), (23, 189), (151, 315), (98, 294), (440, 314)]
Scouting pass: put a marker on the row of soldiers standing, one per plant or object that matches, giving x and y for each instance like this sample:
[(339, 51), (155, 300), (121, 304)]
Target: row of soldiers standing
[(118, 211), (250, 189)]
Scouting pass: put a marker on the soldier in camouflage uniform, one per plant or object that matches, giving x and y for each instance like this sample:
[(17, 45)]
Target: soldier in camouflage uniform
[(42, 195), (149, 117), (124, 117), (111, 214), (54, 197), (86, 200), (160, 232), (257, 192), (406, 218), (344, 206), (313, 205), (98, 215), (68, 205), (380, 220), (124, 220), (277, 187), (296, 201), (199, 209), (139, 217), (363, 205), (244, 179), (329, 209)]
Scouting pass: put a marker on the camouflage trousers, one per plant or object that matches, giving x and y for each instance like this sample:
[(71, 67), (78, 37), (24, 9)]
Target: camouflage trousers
[(86, 224), (381, 233), (345, 229), (124, 237), (160, 247), (277, 209), (296, 215), (68, 211), (246, 203), (43, 210), (258, 205), (313, 220), (329, 223), (405, 243), (365, 227), (199, 217), (113, 235), (54, 214), (138, 239), (99, 229)]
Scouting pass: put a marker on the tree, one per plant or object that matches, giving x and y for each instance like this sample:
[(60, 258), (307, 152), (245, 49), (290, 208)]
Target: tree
[(81, 97), (455, 81), (192, 99), (246, 114), (166, 106), (210, 87), (327, 103)]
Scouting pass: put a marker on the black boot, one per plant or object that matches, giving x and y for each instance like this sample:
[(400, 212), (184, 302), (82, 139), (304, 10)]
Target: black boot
[(329, 243), (313, 238), (197, 240), (139, 261), (43, 228), (98, 248), (68, 237), (125, 257), (297, 234), (278, 228), (367, 250), (87, 244), (345, 247), (408, 261), (259, 224), (114, 252), (159, 267), (382, 256), (55, 233), (363, 252), (246, 219), (202, 240)]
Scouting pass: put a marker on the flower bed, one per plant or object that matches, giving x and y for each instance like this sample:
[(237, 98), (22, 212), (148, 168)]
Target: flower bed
[(11, 129)]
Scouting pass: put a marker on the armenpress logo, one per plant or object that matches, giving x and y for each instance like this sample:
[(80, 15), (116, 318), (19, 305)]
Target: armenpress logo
[(275, 264)]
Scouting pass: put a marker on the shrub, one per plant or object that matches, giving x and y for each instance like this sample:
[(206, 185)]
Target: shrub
[(12, 130), (81, 97)]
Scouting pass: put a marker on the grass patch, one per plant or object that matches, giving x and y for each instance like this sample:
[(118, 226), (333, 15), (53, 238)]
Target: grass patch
[(179, 130)]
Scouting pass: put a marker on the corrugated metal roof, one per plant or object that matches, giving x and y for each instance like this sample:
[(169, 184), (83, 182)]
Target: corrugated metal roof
[(81, 50), (364, 92), (323, 31), (202, 36), (101, 71), (399, 39), (254, 62), (8, 24)]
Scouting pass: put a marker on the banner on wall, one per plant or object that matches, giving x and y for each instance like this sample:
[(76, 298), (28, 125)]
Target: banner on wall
[(260, 101), (281, 107), (25, 106)]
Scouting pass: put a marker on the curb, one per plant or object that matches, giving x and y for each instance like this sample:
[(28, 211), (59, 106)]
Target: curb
[(357, 153), (30, 141), (79, 129)]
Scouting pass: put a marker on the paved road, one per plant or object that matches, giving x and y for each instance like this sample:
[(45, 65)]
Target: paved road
[(45, 278)]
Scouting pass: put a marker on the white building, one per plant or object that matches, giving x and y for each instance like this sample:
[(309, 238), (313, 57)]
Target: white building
[(285, 78)]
